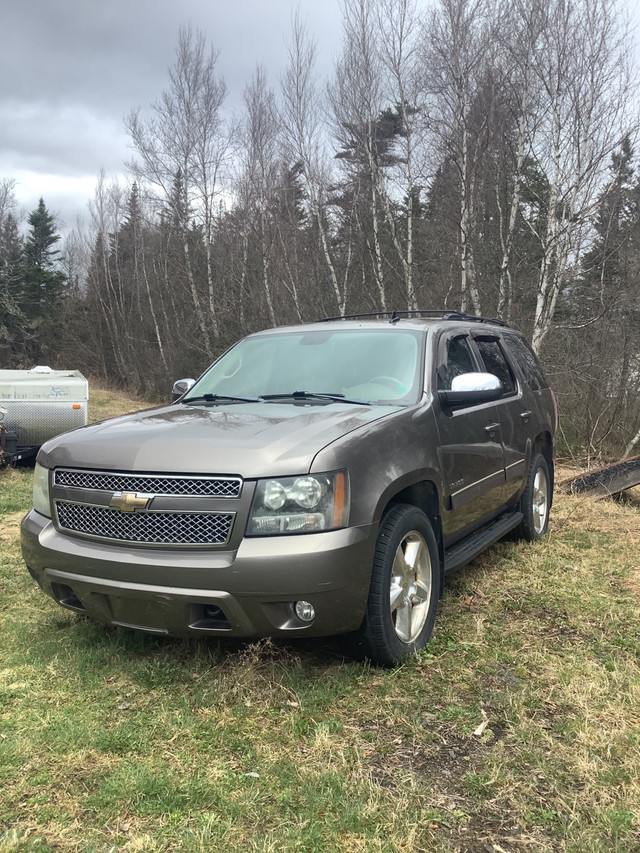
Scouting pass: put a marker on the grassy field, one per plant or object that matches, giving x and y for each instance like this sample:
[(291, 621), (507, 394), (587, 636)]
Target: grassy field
[(517, 729)]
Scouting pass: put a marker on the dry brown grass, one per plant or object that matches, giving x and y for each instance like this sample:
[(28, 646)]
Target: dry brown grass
[(109, 403), (112, 741)]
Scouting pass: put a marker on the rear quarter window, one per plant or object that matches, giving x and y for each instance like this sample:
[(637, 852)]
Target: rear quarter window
[(526, 360)]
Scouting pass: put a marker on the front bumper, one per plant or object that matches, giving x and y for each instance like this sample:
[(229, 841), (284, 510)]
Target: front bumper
[(249, 592)]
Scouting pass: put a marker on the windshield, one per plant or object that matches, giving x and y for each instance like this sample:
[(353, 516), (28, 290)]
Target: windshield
[(370, 365)]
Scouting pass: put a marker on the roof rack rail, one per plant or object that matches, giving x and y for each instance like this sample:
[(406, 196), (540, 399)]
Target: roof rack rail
[(442, 313)]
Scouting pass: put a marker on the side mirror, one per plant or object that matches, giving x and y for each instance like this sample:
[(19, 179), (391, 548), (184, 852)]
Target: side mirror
[(180, 388), (470, 389)]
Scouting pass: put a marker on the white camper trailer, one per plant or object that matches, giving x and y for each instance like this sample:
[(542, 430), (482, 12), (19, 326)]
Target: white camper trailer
[(38, 404)]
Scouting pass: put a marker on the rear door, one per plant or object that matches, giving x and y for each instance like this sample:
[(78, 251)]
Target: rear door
[(515, 410)]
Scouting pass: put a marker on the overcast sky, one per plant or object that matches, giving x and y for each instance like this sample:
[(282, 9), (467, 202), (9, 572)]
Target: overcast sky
[(70, 70)]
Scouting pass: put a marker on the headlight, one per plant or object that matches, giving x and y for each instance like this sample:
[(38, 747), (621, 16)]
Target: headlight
[(306, 504), (41, 490)]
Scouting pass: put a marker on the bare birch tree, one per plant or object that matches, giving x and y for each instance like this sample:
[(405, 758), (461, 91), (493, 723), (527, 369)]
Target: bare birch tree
[(519, 38), (259, 175), (185, 136), (582, 69), (458, 47), (357, 101), (7, 197), (398, 20), (106, 210), (304, 136)]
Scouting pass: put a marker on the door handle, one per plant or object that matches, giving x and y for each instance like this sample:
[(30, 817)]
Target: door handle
[(525, 416), (490, 428)]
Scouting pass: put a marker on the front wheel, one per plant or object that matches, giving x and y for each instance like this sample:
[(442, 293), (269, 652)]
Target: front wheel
[(535, 502), (405, 588)]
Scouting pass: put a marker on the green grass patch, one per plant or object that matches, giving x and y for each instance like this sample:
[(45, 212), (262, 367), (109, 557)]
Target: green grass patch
[(15, 490), (517, 729)]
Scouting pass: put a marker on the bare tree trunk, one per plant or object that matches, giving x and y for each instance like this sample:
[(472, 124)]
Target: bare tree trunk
[(505, 283), (356, 101), (469, 290), (243, 275), (303, 134), (202, 325), (175, 325), (457, 52), (211, 289), (152, 312), (632, 445), (186, 137), (377, 252), (291, 284), (265, 270), (399, 48), (582, 71), (341, 297)]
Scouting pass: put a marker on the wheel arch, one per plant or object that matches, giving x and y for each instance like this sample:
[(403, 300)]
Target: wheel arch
[(423, 495), (543, 443)]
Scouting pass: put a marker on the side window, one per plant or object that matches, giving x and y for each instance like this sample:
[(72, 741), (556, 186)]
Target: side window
[(459, 360), (495, 362), (527, 362)]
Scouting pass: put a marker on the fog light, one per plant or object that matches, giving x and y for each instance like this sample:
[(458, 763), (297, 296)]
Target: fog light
[(305, 611)]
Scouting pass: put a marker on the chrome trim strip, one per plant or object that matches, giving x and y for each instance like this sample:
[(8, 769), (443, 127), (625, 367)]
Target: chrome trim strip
[(498, 473), (462, 496), (515, 470)]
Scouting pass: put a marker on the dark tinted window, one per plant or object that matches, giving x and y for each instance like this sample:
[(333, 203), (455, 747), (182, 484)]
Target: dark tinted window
[(527, 362), (496, 363), (459, 361)]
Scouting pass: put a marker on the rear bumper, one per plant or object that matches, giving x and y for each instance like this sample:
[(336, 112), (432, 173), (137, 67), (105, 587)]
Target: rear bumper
[(250, 592)]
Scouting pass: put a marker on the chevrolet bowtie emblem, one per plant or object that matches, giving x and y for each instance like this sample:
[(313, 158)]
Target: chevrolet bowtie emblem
[(128, 501)]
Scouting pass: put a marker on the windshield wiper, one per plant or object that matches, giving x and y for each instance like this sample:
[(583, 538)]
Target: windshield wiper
[(222, 398), (315, 395)]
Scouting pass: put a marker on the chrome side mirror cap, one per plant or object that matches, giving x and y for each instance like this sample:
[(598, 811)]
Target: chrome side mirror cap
[(471, 389), (180, 388), (476, 382)]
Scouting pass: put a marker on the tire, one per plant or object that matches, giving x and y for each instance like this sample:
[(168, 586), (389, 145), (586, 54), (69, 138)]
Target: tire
[(535, 502), (405, 588)]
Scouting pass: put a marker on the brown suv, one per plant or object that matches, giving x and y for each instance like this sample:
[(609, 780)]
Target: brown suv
[(317, 479)]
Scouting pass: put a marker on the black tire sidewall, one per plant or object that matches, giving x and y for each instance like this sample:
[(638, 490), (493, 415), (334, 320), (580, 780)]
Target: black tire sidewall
[(527, 529), (381, 643)]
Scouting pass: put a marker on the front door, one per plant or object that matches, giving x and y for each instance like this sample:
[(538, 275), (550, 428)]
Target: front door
[(470, 446)]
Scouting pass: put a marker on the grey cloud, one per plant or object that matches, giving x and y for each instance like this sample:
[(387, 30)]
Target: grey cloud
[(67, 140), (70, 70)]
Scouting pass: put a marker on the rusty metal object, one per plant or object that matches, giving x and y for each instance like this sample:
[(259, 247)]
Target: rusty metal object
[(604, 482)]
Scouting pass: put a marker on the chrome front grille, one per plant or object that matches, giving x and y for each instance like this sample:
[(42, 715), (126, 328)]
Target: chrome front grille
[(149, 528), (153, 484)]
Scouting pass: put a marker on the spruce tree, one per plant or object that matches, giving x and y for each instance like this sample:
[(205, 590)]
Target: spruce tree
[(40, 289), (611, 267), (42, 282)]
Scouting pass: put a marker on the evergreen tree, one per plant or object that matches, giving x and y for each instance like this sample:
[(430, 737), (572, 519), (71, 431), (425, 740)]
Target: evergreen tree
[(42, 282), (40, 285), (612, 264)]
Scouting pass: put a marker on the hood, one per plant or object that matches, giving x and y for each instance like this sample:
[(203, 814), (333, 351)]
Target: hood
[(247, 439)]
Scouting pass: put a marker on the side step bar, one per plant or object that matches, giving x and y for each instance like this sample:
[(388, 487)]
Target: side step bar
[(462, 552)]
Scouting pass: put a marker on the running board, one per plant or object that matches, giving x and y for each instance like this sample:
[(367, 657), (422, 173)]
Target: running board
[(462, 552)]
